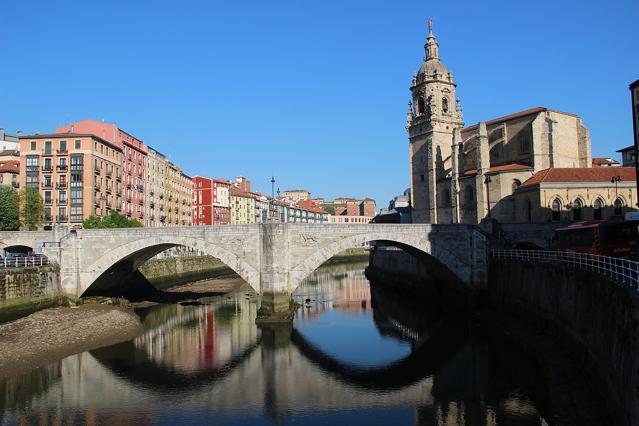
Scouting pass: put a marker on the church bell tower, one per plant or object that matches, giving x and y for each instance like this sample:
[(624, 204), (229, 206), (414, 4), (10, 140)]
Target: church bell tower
[(434, 125)]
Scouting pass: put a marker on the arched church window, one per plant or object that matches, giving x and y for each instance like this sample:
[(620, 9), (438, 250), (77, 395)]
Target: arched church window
[(619, 204), (445, 105), (577, 205), (516, 184), (556, 210), (421, 106), (597, 209)]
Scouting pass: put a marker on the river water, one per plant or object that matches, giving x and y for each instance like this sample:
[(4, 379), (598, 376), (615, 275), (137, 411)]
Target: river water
[(355, 354)]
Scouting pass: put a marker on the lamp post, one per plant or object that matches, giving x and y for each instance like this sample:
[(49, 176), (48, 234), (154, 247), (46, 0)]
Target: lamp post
[(616, 180), (487, 181)]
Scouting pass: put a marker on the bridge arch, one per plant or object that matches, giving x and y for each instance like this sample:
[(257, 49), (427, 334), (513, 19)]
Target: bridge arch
[(421, 248), (133, 254)]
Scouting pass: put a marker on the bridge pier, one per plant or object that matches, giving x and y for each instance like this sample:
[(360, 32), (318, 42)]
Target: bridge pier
[(275, 307)]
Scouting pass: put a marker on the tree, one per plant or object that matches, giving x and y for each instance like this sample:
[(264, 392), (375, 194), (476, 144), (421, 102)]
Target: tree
[(31, 208), (9, 209), (112, 220), (329, 209)]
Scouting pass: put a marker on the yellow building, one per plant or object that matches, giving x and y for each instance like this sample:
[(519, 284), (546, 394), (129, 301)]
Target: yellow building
[(576, 194), (242, 207)]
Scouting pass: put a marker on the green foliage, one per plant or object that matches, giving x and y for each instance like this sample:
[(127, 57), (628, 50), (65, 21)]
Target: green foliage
[(31, 208), (9, 209), (112, 220), (329, 209)]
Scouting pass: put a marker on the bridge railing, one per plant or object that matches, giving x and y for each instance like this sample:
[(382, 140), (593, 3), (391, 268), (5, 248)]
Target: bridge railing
[(24, 262), (622, 271)]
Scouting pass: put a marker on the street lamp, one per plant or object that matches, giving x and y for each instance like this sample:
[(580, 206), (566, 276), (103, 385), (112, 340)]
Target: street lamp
[(616, 181)]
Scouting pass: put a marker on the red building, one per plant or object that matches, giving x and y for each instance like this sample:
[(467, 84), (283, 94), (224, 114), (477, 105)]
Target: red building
[(211, 201), (134, 153)]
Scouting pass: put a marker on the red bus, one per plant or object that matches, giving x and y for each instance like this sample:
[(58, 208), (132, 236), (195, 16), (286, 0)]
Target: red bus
[(605, 238)]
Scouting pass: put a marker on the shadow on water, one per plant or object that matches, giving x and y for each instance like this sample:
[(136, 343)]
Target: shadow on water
[(214, 353)]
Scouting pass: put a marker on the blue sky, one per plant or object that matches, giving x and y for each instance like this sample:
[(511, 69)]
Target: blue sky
[(314, 92)]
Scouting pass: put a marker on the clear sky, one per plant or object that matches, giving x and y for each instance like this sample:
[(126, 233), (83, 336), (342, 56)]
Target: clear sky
[(313, 92)]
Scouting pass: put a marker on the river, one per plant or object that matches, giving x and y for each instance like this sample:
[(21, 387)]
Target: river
[(353, 355)]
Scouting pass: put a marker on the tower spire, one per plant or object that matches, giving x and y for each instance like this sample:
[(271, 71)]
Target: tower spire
[(431, 46)]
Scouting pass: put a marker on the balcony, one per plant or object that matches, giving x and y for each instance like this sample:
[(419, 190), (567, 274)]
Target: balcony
[(128, 186), (97, 170), (118, 193), (96, 186), (15, 184), (141, 202), (62, 167), (48, 168), (109, 173), (108, 206), (48, 202), (152, 204), (108, 189), (118, 177), (47, 153), (63, 218), (128, 200), (118, 208), (47, 185), (47, 217), (60, 185), (62, 202), (62, 151)]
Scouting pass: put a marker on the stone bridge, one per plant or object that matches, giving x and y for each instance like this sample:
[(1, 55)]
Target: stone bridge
[(272, 258)]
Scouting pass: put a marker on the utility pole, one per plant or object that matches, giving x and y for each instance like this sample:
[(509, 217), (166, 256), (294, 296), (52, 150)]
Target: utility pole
[(634, 96)]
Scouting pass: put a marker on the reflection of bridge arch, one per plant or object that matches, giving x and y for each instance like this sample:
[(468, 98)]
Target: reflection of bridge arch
[(154, 376), (423, 361), (125, 259)]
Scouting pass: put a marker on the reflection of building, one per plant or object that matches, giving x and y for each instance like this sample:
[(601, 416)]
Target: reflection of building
[(465, 174), (78, 175)]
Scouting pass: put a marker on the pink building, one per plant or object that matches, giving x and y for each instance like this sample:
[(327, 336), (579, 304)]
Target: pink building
[(134, 153)]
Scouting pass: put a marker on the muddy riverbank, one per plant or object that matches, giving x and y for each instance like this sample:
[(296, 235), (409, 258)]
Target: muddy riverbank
[(52, 334)]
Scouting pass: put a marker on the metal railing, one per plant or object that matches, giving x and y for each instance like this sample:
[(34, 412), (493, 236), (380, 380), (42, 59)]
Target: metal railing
[(24, 262), (620, 270)]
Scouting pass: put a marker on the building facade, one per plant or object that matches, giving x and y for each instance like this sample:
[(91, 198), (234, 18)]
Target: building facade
[(10, 168), (77, 175), (576, 194), (9, 142), (134, 153), (243, 209), (464, 174), (296, 194), (211, 203)]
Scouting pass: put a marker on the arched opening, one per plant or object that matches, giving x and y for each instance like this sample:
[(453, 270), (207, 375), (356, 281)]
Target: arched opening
[(597, 209), (445, 105), (125, 271), (421, 106), (619, 205), (555, 208), (17, 249), (577, 207)]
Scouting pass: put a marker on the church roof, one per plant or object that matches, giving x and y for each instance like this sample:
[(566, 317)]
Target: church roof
[(516, 115), (501, 168), (590, 174)]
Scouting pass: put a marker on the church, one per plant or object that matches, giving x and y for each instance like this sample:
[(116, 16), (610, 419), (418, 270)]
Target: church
[(464, 174)]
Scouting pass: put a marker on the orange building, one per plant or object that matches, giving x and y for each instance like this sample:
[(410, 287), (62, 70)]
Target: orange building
[(78, 175), (134, 153)]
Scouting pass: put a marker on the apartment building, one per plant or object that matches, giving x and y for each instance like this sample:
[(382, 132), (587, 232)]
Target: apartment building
[(10, 168), (77, 175), (211, 201), (134, 153), (242, 206)]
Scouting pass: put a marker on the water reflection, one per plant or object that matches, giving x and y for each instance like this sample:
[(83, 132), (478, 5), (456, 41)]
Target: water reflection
[(354, 354)]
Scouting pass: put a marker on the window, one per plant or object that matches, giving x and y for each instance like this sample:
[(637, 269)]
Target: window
[(470, 196), (76, 214), (47, 147), (420, 106), (597, 209), (47, 197), (33, 145), (577, 205), (62, 214), (32, 181), (445, 105), (76, 196), (619, 206), (47, 164), (76, 179), (524, 142), (63, 146), (556, 210), (78, 144), (62, 197)]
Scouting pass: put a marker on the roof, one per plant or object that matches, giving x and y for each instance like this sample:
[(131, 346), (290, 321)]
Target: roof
[(603, 161), (311, 206), (10, 166), (591, 174), (501, 168), (10, 152), (70, 135), (628, 148), (509, 117), (235, 192)]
